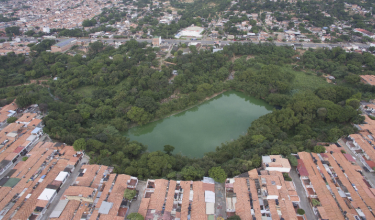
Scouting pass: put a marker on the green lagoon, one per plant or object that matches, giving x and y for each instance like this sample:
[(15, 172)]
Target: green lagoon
[(204, 127)]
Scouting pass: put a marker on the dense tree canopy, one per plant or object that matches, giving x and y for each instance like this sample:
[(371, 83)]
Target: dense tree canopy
[(97, 97)]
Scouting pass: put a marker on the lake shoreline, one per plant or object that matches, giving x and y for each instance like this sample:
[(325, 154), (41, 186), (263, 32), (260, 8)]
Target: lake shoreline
[(199, 129), (190, 107)]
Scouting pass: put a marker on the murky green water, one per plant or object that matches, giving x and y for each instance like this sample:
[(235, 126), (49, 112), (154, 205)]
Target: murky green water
[(202, 128)]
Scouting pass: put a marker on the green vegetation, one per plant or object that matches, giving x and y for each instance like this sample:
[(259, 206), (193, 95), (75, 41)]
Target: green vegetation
[(24, 158), (168, 149), (292, 160), (300, 211), (287, 177), (11, 119), (234, 217), (96, 98), (135, 216), (319, 149), (315, 202), (218, 174), (129, 194)]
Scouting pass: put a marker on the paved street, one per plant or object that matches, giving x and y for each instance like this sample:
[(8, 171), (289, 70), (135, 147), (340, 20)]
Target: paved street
[(220, 203), (208, 41), (135, 204), (304, 203), (66, 185)]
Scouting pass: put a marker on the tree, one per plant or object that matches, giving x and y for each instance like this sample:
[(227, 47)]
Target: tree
[(319, 149), (218, 174), (300, 211), (135, 216), (129, 194), (11, 120), (79, 144), (168, 149), (24, 158), (147, 103), (139, 115), (293, 160), (13, 30), (192, 173)]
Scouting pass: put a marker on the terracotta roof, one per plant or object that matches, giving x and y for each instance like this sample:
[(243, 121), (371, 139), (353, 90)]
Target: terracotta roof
[(243, 200), (144, 206), (158, 197), (185, 200), (198, 207), (82, 191), (170, 198), (301, 168)]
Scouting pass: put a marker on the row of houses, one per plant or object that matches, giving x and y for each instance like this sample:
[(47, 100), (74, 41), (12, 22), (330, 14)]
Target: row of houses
[(334, 185), (263, 193)]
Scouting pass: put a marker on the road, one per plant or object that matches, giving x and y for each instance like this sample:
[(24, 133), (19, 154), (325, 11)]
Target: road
[(208, 41), (66, 185), (304, 203)]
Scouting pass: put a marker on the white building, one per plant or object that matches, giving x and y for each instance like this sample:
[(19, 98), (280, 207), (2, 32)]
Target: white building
[(192, 31), (276, 163), (46, 30)]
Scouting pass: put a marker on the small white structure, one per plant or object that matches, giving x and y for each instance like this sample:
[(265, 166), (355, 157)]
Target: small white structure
[(46, 30), (47, 194), (209, 196), (62, 176)]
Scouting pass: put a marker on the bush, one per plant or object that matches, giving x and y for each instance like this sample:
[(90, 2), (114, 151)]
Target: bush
[(24, 158), (134, 216), (319, 149), (129, 194), (315, 202), (300, 211), (287, 177), (218, 174), (292, 160), (342, 151), (11, 120), (234, 217)]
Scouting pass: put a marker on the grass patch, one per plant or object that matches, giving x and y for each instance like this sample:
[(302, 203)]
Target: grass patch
[(85, 91), (307, 81)]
